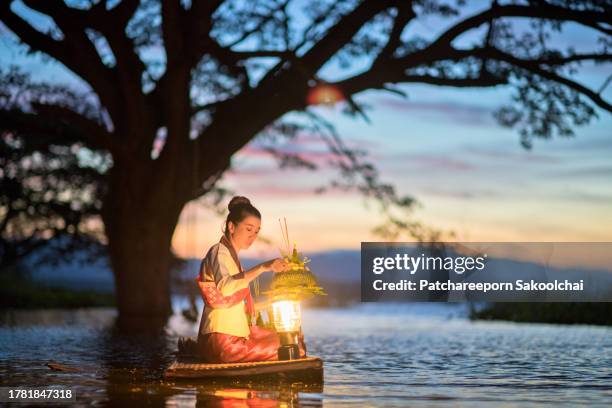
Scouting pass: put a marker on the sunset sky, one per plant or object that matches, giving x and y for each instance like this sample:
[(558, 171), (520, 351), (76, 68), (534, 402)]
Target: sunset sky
[(440, 145), (443, 147)]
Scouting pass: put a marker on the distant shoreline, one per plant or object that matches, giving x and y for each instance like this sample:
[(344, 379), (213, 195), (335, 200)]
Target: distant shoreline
[(18, 292), (543, 312), (22, 293)]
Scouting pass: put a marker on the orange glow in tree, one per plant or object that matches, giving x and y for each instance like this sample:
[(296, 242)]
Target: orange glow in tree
[(323, 94)]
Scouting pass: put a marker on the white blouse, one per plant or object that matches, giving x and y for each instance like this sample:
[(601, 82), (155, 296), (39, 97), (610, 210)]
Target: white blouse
[(220, 267)]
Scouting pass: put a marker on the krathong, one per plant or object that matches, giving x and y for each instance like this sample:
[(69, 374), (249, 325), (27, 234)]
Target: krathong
[(287, 289), (298, 282)]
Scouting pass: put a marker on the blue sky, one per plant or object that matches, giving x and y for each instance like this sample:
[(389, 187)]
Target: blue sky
[(440, 145), (443, 147)]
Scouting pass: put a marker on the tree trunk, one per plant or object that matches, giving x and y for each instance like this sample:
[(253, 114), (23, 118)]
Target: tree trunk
[(140, 258), (140, 212)]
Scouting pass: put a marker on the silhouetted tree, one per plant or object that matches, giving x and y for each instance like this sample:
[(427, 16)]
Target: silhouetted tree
[(206, 77)]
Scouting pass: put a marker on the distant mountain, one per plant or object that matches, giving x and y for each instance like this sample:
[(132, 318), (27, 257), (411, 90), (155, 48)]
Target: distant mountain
[(336, 270), (337, 266)]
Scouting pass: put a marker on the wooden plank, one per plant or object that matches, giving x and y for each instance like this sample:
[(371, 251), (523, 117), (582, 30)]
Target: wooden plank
[(187, 369)]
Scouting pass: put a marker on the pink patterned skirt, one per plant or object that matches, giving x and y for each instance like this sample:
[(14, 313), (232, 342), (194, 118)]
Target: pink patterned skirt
[(261, 345)]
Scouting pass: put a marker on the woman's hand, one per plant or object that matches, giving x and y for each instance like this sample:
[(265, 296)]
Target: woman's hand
[(277, 265)]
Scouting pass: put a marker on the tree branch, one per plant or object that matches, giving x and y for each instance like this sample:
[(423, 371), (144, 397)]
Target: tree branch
[(560, 60), (104, 21), (262, 54), (257, 114), (58, 123), (95, 133), (267, 18), (340, 34), (376, 80), (75, 51), (199, 23), (123, 12), (484, 80), (540, 11), (36, 40), (172, 18), (180, 59), (535, 67), (599, 28), (405, 13)]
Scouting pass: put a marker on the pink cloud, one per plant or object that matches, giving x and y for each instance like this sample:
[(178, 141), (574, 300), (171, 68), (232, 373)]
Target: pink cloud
[(272, 172), (431, 162), (253, 152), (591, 171), (306, 139), (253, 172), (459, 112), (279, 191), (308, 148), (309, 141), (526, 156), (460, 194), (318, 157)]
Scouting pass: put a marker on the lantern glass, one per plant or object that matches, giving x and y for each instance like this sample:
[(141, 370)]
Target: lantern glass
[(287, 315)]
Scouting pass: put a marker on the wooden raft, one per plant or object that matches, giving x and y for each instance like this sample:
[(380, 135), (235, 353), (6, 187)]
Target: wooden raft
[(308, 367)]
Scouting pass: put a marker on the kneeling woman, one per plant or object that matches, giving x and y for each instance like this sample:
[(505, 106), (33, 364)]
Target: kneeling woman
[(225, 335)]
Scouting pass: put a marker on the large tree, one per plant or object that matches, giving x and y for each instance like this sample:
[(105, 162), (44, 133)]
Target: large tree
[(207, 77)]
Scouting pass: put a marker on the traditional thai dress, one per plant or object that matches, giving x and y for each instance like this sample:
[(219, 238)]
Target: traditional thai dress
[(225, 334)]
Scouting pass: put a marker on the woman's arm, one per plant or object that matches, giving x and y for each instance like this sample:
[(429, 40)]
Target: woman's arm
[(273, 265), (226, 274)]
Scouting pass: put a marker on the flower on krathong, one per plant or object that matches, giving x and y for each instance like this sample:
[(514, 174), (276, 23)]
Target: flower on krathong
[(298, 282)]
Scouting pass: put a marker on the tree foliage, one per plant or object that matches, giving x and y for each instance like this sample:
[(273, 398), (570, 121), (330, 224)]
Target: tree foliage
[(173, 76)]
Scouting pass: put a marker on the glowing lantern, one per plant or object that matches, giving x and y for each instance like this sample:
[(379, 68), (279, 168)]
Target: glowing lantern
[(287, 318), (287, 315)]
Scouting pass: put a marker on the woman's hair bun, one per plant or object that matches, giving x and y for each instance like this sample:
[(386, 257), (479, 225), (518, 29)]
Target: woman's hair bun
[(237, 201), (239, 208)]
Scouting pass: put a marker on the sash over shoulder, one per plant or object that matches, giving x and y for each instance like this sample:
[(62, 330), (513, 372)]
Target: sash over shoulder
[(212, 295)]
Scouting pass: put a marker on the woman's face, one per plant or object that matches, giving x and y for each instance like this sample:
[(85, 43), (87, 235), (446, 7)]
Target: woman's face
[(245, 232)]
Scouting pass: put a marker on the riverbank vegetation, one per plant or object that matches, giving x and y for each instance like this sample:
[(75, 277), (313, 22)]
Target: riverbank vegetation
[(541, 312)]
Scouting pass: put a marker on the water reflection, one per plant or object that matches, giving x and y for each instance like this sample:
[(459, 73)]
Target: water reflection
[(251, 394), (374, 356), (95, 318), (114, 364), (131, 361)]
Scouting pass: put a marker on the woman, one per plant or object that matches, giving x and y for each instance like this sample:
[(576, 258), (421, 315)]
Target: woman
[(225, 335)]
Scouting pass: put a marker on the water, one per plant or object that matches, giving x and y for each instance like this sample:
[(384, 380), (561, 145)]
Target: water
[(375, 355)]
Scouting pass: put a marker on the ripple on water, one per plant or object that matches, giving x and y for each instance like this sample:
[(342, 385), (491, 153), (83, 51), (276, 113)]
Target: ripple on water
[(374, 355)]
